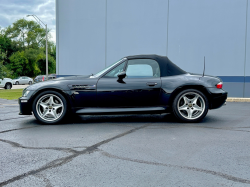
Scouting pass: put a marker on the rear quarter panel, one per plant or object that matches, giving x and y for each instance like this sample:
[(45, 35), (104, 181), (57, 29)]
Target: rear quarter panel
[(171, 85)]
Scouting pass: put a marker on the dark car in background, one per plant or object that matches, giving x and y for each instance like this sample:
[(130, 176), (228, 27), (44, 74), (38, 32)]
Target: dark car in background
[(52, 76), (40, 78), (135, 84)]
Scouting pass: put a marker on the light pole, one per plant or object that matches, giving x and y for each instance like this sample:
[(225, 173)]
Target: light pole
[(40, 21)]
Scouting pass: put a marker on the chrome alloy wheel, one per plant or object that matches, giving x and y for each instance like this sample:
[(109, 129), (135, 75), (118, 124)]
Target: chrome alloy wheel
[(191, 105), (49, 107)]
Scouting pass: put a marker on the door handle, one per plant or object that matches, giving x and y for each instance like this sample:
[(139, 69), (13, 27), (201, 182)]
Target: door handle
[(151, 83)]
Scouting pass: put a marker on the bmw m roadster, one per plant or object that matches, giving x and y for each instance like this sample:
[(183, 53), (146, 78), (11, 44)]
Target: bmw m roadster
[(134, 84)]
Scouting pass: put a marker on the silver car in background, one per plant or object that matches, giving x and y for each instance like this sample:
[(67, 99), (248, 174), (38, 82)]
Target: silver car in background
[(22, 80)]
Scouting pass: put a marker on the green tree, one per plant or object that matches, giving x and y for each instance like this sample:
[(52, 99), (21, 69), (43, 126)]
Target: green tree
[(51, 63), (33, 56), (52, 51), (4, 71), (19, 63), (27, 34), (29, 62), (6, 46), (23, 44)]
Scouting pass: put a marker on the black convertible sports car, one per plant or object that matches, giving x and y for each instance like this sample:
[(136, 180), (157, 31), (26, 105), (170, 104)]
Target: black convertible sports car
[(134, 84)]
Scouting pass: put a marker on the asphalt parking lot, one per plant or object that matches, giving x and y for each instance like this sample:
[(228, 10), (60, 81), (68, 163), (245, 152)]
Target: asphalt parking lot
[(126, 150)]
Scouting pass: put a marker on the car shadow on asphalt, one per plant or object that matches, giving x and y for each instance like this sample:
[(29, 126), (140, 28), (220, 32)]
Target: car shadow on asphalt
[(164, 119)]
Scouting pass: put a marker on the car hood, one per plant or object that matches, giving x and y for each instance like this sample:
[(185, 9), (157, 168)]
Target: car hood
[(7, 79), (73, 77), (63, 83)]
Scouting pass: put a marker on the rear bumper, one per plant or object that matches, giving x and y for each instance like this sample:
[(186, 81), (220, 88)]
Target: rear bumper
[(24, 106), (217, 100)]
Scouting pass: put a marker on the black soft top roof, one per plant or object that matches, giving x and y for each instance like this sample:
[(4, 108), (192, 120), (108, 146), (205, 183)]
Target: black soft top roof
[(167, 67)]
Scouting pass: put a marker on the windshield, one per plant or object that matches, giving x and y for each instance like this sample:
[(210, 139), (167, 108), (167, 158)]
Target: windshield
[(106, 69)]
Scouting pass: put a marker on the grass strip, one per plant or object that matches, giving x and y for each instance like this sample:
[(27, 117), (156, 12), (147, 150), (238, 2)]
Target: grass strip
[(11, 94)]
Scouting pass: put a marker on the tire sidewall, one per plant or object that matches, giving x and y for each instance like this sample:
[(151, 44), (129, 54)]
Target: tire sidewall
[(6, 86), (42, 94), (176, 111)]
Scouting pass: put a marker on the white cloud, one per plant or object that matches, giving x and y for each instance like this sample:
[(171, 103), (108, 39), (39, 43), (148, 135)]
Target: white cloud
[(12, 10)]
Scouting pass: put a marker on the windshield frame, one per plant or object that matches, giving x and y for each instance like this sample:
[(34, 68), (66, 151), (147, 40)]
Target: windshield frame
[(109, 68)]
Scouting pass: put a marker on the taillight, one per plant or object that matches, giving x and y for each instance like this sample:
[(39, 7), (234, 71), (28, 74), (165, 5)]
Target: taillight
[(43, 79), (219, 85)]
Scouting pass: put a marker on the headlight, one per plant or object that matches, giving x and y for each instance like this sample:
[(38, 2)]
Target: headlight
[(25, 93)]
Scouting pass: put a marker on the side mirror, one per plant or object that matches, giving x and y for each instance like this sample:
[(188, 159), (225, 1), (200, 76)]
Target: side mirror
[(121, 75)]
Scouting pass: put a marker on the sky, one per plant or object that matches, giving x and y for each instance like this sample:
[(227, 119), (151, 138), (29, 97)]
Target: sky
[(12, 10)]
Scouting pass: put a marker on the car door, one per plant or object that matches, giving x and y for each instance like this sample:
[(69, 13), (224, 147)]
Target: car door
[(25, 80), (21, 80), (140, 88), (1, 83)]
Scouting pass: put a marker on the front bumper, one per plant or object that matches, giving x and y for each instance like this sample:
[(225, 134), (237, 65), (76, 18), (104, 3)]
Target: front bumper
[(24, 106)]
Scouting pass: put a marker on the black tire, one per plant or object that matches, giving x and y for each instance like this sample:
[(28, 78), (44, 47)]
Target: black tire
[(179, 100), (17, 83), (8, 86), (35, 112)]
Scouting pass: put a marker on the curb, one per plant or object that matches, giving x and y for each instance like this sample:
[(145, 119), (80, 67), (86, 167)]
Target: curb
[(237, 99)]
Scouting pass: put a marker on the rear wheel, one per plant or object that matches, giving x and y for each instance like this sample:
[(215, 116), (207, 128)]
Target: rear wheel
[(8, 86), (190, 105), (49, 107), (30, 82), (17, 82)]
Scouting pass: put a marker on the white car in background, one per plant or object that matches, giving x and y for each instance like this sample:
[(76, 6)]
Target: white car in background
[(22, 80), (6, 83)]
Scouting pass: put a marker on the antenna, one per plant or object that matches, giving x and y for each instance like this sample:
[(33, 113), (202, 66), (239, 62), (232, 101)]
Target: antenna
[(204, 67)]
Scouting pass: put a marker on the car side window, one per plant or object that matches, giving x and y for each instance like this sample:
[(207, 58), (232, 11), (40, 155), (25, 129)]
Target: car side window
[(142, 68), (114, 72)]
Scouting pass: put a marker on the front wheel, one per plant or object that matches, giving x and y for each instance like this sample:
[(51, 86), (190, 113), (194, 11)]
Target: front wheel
[(30, 82), (7, 86), (49, 107), (190, 105)]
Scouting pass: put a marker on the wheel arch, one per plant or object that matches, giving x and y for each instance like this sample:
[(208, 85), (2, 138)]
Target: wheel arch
[(56, 90), (8, 83), (185, 87)]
